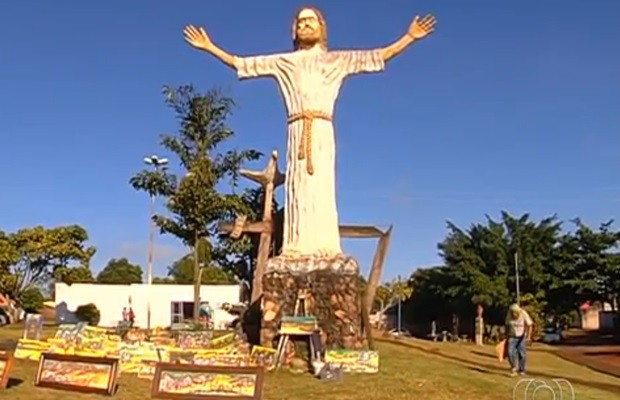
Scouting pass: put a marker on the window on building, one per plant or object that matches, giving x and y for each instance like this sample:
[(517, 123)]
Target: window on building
[(181, 311)]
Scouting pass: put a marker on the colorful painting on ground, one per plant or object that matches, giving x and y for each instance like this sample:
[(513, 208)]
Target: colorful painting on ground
[(222, 360), (6, 362), (177, 381), (69, 332), (354, 361), (81, 374), (264, 356), (131, 357), (298, 325), (181, 357), (93, 333), (147, 371), (30, 349), (223, 341), (194, 339)]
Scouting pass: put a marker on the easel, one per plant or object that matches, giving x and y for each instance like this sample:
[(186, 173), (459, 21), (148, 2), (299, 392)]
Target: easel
[(286, 337)]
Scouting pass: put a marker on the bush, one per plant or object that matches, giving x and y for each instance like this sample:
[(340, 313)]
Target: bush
[(32, 300), (88, 313)]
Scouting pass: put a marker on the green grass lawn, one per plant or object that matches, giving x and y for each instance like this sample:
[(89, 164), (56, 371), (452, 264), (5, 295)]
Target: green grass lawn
[(410, 369)]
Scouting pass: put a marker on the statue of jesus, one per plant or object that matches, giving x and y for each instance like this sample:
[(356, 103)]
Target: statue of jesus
[(309, 79)]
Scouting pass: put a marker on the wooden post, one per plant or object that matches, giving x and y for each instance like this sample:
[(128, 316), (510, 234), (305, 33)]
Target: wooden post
[(377, 267), (269, 179)]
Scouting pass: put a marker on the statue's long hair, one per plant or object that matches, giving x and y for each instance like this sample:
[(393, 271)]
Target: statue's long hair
[(322, 23)]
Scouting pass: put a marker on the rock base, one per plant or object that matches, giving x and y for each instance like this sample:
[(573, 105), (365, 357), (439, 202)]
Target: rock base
[(333, 297)]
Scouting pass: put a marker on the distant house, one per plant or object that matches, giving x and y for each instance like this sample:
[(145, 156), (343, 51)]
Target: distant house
[(596, 316)]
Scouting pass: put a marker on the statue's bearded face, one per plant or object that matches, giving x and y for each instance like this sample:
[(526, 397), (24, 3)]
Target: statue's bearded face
[(308, 29)]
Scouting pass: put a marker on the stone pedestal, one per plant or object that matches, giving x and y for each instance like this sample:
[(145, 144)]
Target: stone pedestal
[(479, 331), (334, 298)]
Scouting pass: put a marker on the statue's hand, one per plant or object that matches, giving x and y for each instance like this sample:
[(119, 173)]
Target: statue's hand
[(422, 28), (197, 37)]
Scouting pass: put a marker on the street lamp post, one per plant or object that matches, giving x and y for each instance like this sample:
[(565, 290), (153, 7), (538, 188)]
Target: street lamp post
[(157, 163), (399, 306)]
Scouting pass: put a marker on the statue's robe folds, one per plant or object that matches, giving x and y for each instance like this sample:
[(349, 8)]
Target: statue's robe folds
[(309, 81)]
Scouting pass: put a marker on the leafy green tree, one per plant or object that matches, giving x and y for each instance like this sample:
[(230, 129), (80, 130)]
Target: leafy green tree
[(383, 298), (194, 203), (589, 266), (158, 280), (429, 299), (73, 275), (182, 272), (480, 262), (32, 300), (32, 255), (120, 271)]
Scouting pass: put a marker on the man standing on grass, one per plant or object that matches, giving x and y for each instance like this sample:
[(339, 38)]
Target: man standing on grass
[(519, 327)]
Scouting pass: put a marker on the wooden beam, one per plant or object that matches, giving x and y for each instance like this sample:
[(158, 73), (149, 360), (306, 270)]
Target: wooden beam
[(360, 231), (238, 228), (248, 227), (270, 175), (347, 231), (377, 268)]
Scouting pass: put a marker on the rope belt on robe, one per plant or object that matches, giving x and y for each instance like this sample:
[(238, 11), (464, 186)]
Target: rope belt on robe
[(305, 142)]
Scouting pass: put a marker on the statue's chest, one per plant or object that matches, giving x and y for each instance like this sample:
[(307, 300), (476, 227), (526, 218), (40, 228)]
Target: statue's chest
[(316, 74)]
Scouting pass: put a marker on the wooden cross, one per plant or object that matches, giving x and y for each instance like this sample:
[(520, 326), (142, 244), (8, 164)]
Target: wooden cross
[(269, 178)]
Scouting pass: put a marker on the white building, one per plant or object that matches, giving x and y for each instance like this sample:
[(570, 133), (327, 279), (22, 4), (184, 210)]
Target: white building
[(169, 303)]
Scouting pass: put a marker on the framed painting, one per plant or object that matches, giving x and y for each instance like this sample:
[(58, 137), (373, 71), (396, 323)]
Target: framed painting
[(198, 382), (264, 356), (355, 361), (304, 326), (194, 339), (78, 374), (6, 362)]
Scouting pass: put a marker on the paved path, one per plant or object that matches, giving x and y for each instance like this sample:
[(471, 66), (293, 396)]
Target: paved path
[(598, 352)]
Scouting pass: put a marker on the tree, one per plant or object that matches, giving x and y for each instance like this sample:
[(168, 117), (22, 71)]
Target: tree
[(158, 280), (32, 300), (480, 262), (429, 299), (182, 272), (73, 275), (194, 202), (120, 271), (589, 267), (32, 256)]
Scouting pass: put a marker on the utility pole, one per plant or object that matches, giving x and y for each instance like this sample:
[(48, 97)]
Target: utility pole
[(517, 278), (398, 288), (157, 163)]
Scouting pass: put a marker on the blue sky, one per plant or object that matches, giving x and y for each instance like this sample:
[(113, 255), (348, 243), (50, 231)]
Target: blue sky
[(510, 105)]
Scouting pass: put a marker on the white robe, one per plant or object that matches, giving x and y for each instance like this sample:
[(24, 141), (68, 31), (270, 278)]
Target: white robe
[(310, 80)]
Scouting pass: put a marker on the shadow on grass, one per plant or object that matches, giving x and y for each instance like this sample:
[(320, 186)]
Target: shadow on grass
[(501, 371), (487, 355), (13, 382), (8, 345)]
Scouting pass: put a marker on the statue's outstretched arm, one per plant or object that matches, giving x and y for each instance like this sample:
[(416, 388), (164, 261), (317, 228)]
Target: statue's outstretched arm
[(419, 29), (198, 38)]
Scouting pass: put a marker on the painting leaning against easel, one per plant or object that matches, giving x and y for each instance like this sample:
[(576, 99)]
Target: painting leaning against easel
[(298, 325)]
